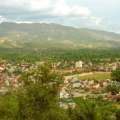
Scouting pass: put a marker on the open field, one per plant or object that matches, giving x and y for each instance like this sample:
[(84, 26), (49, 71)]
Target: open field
[(96, 76), (91, 76)]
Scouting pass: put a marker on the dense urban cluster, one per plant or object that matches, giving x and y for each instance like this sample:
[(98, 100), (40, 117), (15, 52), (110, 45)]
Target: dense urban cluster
[(10, 72)]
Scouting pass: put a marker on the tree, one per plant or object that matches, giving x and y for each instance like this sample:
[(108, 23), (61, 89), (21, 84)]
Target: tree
[(38, 98), (114, 88), (116, 75), (91, 110), (8, 106), (117, 115)]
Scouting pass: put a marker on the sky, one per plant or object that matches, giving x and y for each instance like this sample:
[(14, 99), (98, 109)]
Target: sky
[(95, 14)]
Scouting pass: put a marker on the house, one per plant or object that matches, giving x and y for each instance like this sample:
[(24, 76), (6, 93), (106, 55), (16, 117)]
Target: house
[(2, 68), (79, 64)]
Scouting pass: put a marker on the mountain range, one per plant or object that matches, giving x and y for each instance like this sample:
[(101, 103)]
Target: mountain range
[(43, 36)]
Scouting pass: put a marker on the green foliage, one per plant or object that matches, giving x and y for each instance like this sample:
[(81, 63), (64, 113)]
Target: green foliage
[(116, 75), (56, 54), (8, 106), (96, 76), (39, 96), (117, 114), (36, 99), (92, 110), (114, 88), (35, 102)]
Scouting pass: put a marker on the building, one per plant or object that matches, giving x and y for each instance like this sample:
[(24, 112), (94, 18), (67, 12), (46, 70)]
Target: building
[(79, 64)]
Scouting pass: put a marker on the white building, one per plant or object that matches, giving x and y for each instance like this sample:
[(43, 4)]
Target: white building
[(79, 64)]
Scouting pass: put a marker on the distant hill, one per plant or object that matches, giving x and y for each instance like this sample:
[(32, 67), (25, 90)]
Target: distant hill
[(43, 36)]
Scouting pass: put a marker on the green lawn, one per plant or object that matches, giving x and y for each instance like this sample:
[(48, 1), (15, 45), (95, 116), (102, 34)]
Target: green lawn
[(96, 76)]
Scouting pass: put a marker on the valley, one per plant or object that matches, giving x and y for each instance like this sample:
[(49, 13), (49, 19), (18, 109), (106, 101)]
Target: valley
[(46, 68)]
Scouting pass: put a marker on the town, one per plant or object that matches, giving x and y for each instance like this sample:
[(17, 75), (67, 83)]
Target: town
[(9, 72), (79, 78)]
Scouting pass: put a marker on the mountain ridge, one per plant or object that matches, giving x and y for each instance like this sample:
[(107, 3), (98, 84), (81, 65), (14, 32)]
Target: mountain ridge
[(43, 36)]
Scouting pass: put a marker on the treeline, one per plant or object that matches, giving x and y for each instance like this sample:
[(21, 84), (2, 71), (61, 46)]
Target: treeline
[(94, 55)]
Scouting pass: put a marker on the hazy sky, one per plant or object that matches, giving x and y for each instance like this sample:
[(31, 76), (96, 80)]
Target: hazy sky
[(99, 14)]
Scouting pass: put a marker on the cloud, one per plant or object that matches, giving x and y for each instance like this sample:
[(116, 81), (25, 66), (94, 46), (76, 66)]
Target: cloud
[(2, 19), (26, 4), (51, 7), (37, 5), (56, 11), (61, 8), (96, 20)]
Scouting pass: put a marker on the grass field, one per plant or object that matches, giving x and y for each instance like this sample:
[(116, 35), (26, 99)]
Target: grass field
[(96, 76)]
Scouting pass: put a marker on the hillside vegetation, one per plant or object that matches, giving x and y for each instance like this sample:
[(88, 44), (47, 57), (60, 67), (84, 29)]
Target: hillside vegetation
[(43, 36)]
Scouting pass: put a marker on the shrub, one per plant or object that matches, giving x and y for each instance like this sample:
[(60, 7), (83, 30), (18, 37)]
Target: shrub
[(116, 75)]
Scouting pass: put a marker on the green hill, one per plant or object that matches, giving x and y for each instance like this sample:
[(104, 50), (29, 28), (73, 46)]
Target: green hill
[(43, 36)]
